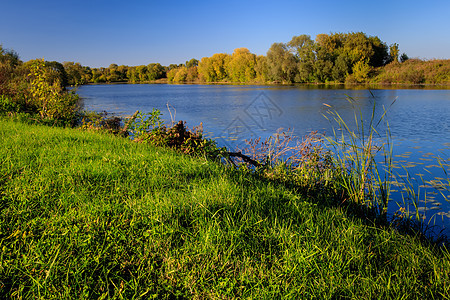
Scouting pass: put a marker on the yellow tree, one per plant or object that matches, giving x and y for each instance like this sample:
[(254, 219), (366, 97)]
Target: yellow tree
[(214, 68), (181, 75), (241, 67), (206, 70), (220, 62), (361, 70), (394, 51)]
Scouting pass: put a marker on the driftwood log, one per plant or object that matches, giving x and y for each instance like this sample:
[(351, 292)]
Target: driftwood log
[(244, 157)]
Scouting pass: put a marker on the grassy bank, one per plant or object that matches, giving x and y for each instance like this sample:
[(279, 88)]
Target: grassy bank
[(91, 215), (415, 71)]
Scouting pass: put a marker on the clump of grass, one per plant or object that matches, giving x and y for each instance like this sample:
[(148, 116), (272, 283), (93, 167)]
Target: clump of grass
[(355, 153)]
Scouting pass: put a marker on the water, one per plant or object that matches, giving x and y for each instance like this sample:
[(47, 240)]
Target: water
[(418, 120)]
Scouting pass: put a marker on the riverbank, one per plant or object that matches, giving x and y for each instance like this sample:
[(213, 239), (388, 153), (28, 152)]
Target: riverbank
[(329, 85), (88, 215)]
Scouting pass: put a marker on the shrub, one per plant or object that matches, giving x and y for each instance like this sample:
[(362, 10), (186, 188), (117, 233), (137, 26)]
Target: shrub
[(51, 101), (149, 127)]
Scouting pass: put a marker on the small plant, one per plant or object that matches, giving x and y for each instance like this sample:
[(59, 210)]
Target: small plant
[(141, 125), (101, 121), (151, 128), (7, 105)]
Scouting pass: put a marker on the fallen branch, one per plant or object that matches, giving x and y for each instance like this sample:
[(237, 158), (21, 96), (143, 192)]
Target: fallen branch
[(245, 158)]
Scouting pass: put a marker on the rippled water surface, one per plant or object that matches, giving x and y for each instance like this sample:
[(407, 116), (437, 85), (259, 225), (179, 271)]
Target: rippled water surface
[(418, 120)]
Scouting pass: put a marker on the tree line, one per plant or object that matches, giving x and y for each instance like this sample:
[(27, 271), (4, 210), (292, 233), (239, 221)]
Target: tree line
[(351, 57), (335, 57)]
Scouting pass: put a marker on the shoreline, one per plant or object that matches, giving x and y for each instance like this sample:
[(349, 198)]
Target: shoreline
[(391, 86)]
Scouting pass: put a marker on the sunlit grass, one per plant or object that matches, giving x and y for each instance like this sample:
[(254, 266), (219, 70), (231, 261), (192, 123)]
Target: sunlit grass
[(90, 215)]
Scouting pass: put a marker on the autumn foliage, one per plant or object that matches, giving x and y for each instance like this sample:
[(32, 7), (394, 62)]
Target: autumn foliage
[(349, 58)]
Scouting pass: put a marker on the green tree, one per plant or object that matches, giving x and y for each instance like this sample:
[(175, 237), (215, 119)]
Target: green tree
[(261, 68), (141, 73), (132, 75), (58, 70), (403, 57), (380, 52), (171, 74), (220, 63), (282, 65), (205, 70), (9, 60), (75, 73), (302, 47), (342, 68), (357, 47), (155, 71), (192, 74), (214, 68), (9, 57), (122, 71), (192, 63), (113, 75)]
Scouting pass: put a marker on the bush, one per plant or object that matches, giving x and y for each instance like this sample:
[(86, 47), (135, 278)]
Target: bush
[(7, 105), (150, 128), (52, 102)]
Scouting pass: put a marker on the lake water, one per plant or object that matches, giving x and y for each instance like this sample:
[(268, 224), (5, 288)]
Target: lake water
[(418, 121)]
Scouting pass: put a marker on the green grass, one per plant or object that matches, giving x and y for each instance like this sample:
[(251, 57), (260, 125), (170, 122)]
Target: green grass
[(91, 215)]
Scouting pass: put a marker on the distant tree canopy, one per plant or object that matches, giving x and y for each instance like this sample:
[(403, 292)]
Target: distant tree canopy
[(334, 57), (330, 57)]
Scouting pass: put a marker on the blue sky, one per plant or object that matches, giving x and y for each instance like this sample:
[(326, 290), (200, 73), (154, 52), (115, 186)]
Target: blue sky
[(97, 32)]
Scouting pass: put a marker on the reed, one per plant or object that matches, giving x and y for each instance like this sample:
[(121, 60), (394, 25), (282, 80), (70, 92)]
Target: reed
[(364, 157)]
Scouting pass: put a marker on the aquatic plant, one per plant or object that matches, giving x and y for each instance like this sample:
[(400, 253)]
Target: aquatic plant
[(356, 151)]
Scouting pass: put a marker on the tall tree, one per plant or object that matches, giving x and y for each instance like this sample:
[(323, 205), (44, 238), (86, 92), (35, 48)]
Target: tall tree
[(394, 51), (75, 73), (192, 63), (302, 47), (281, 63), (214, 68), (261, 68), (141, 72), (380, 55), (206, 70), (241, 67)]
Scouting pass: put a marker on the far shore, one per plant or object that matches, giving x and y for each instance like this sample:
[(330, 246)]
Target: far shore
[(274, 84)]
